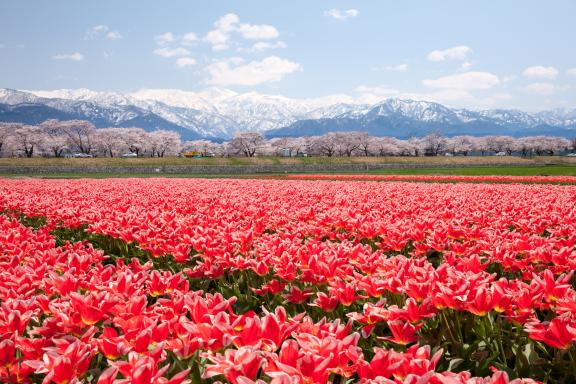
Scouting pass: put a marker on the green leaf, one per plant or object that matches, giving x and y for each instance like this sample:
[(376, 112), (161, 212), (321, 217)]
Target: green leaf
[(196, 377), (454, 363), (530, 353)]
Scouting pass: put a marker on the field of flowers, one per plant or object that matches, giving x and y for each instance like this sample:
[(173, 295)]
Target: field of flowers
[(286, 281), (439, 178)]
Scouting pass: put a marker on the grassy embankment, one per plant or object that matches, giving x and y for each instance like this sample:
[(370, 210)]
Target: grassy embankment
[(484, 165), (243, 161)]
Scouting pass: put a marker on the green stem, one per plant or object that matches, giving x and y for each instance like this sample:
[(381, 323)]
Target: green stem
[(9, 376), (449, 329), (196, 377), (572, 362)]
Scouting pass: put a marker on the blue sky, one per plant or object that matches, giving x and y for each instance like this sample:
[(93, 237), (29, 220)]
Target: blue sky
[(475, 54)]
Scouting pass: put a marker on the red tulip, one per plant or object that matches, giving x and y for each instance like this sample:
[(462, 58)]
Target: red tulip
[(298, 296), (325, 302), (557, 333), (403, 333), (7, 353), (234, 363)]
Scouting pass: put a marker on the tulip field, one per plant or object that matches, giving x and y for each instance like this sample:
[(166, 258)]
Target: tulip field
[(439, 178), (289, 281)]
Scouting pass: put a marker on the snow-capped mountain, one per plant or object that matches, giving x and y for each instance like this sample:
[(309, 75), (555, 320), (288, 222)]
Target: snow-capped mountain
[(250, 111), (405, 118), (218, 113), (212, 113)]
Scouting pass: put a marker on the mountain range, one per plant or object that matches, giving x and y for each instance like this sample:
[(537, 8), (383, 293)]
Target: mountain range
[(218, 113)]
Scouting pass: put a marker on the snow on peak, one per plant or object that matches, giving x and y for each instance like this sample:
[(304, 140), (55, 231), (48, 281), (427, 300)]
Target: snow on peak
[(218, 112), (83, 94)]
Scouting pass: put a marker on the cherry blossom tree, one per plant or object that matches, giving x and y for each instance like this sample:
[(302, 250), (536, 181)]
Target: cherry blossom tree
[(414, 146), (54, 138), (79, 134), (6, 130), (366, 143), (247, 143), (325, 145), (389, 146), (55, 141), (136, 139), (27, 138), (434, 144), (111, 141), (292, 145), (203, 147), (348, 142), (164, 142), (523, 146), (547, 145), (481, 145), (461, 145), (500, 144)]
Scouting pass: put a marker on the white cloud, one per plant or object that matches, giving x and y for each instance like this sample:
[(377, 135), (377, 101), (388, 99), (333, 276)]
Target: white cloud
[(189, 38), (99, 28), (464, 81), (455, 53), (381, 90), (69, 56), (570, 72), (340, 14), (228, 24), (502, 96), (541, 88), (541, 71), (103, 31), (220, 35), (461, 98), (466, 65), (220, 47), (235, 72), (397, 68), (168, 38), (372, 95), (183, 62), (258, 32), (114, 35), (450, 95), (95, 31), (164, 38), (171, 52), (216, 36), (263, 45)]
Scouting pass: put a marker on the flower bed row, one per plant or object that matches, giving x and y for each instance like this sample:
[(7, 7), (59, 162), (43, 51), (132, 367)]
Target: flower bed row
[(439, 178), (372, 282)]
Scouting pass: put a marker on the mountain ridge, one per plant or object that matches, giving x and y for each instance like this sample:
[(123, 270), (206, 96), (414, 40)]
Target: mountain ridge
[(217, 113)]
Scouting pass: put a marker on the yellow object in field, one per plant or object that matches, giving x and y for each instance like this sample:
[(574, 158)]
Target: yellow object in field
[(192, 154)]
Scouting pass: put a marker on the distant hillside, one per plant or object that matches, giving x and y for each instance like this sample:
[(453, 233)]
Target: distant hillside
[(217, 114), (407, 118)]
